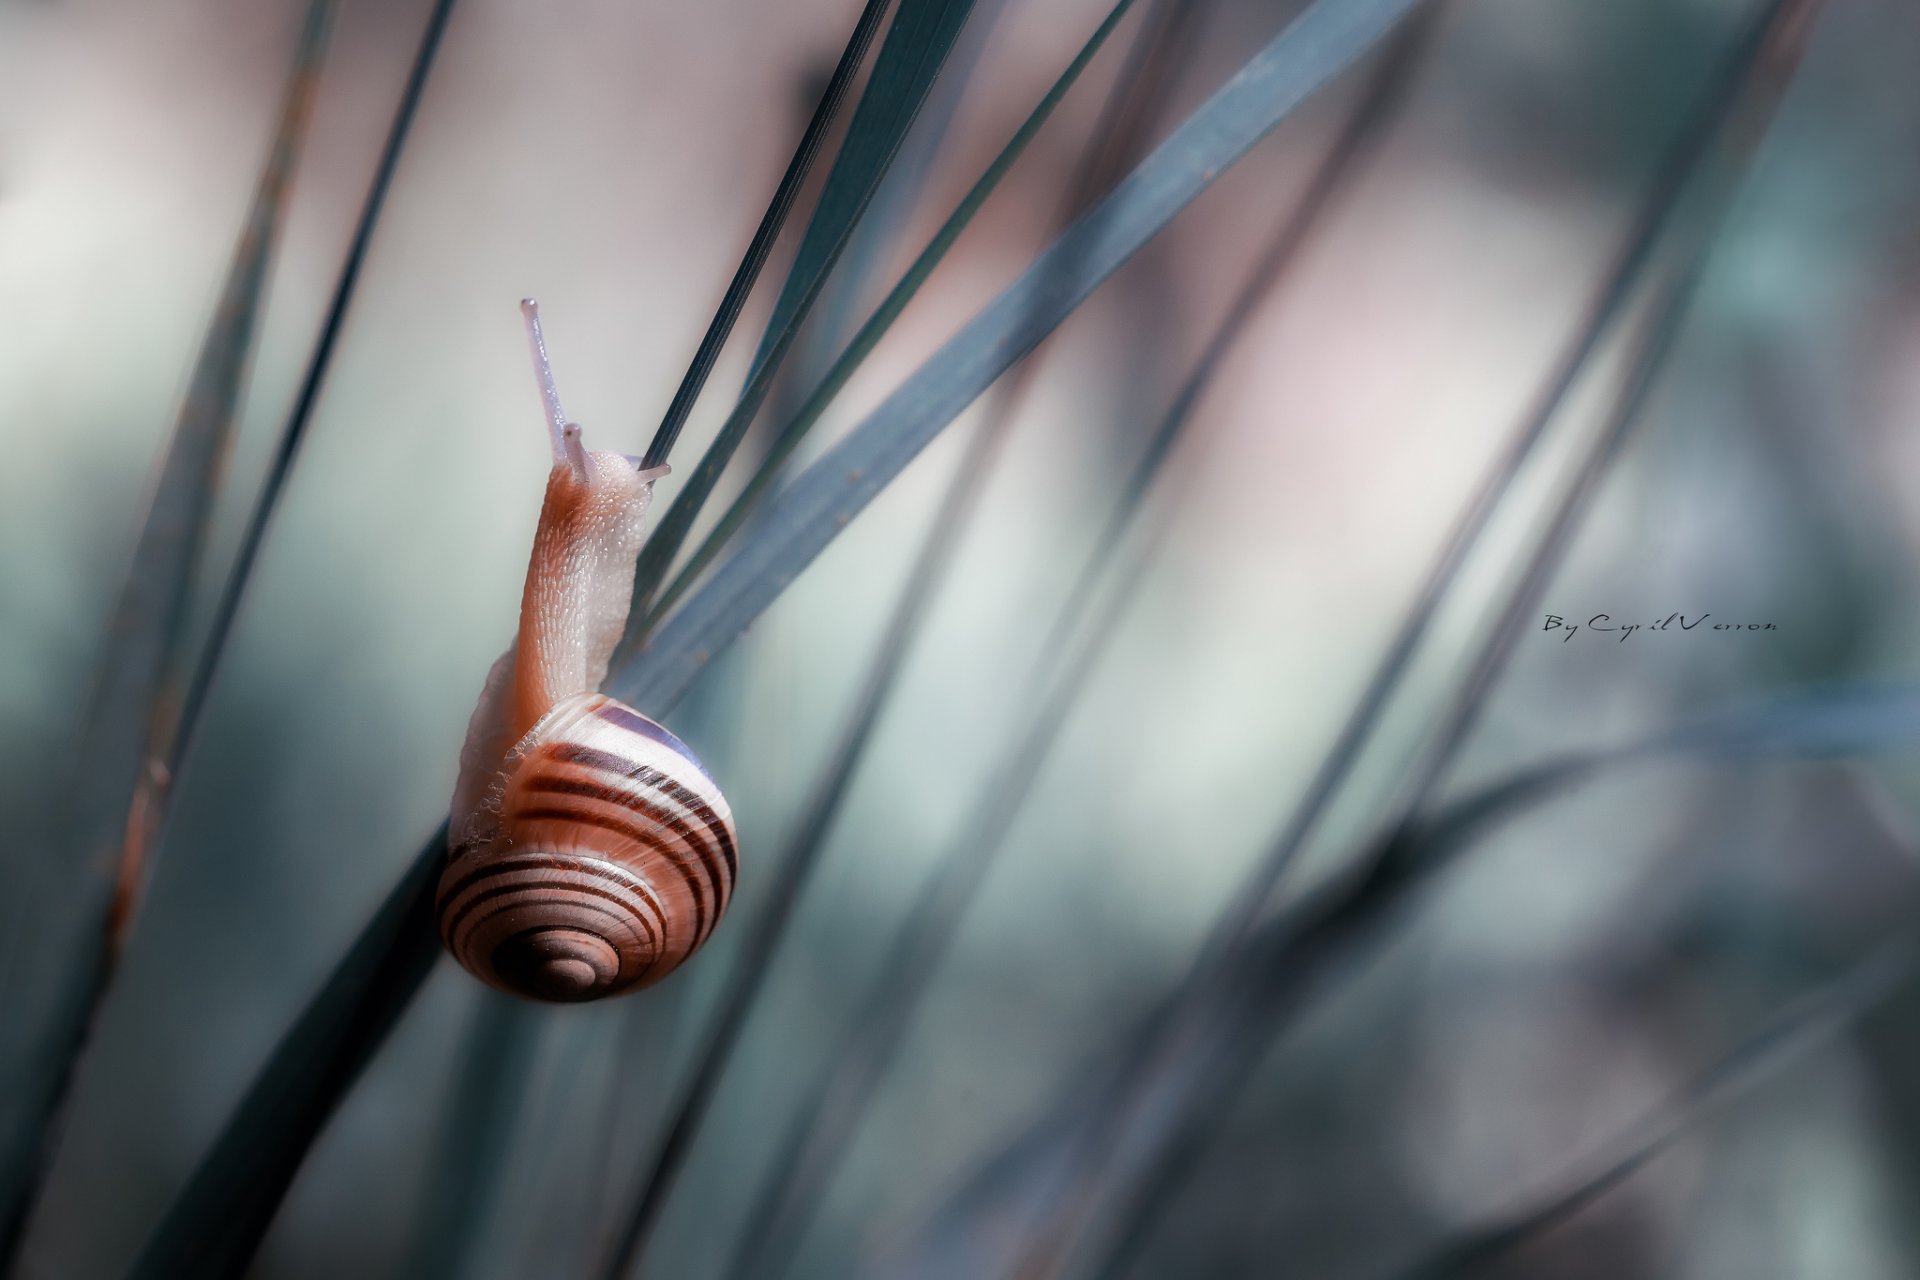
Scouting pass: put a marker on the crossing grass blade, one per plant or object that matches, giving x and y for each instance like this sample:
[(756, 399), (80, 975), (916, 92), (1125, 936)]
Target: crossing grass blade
[(877, 325), (816, 1143), (234, 1191), (767, 233), (916, 47), (215, 1223), (1811, 1023), (101, 829), (876, 237), (478, 1118), (810, 513), (1304, 952)]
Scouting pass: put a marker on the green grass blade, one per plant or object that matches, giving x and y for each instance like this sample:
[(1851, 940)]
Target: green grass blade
[(916, 48), (814, 1147), (917, 45), (213, 1226), (869, 334), (100, 829), (805, 517), (1809, 1024), (876, 237), (764, 236), (477, 1122)]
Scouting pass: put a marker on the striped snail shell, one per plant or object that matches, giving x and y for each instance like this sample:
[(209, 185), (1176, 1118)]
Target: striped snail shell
[(590, 852)]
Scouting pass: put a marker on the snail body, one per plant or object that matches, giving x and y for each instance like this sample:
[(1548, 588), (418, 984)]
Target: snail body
[(590, 852)]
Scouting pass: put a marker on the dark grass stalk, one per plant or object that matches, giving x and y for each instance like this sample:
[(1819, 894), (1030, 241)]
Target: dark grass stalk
[(103, 823), (869, 334), (342, 1025), (923, 36), (1122, 1201), (917, 45), (1809, 1024), (877, 237), (215, 1224), (928, 573), (478, 1118), (605, 1073), (767, 233), (635, 1118), (295, 430)]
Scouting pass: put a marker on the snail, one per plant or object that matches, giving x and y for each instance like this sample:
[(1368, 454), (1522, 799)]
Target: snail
[(590, 853)]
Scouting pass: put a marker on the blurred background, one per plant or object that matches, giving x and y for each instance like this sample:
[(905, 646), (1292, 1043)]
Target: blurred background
[(1574, 971)]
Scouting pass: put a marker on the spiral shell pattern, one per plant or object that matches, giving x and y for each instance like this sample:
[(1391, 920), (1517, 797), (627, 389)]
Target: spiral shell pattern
[(606, 863)]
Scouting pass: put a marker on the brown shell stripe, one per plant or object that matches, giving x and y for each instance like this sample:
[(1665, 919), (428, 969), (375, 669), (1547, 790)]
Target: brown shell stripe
[(638, 725), (649, 839), (637, 904), (710, 840), (702, 840)]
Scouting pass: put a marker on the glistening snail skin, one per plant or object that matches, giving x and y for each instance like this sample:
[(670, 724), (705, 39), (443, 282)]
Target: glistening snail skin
[(591, 853)]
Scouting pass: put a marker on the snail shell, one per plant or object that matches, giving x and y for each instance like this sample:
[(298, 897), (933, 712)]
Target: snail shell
[(590, 852), (622, 857)]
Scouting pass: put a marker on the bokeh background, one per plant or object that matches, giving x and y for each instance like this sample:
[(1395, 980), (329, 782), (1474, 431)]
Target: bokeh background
[(1575, 972)]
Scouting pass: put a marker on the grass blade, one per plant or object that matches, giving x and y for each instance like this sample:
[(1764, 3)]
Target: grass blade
[(806, 516), (216, 1222), (478, 1118), (1809, 1024), (876, 237), (917, 45), (812, 1151), (101, 828), (877, 325), (766, 233)]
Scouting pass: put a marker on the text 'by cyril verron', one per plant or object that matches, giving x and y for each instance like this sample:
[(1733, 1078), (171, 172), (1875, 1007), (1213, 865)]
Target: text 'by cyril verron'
[(1676, 622)]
